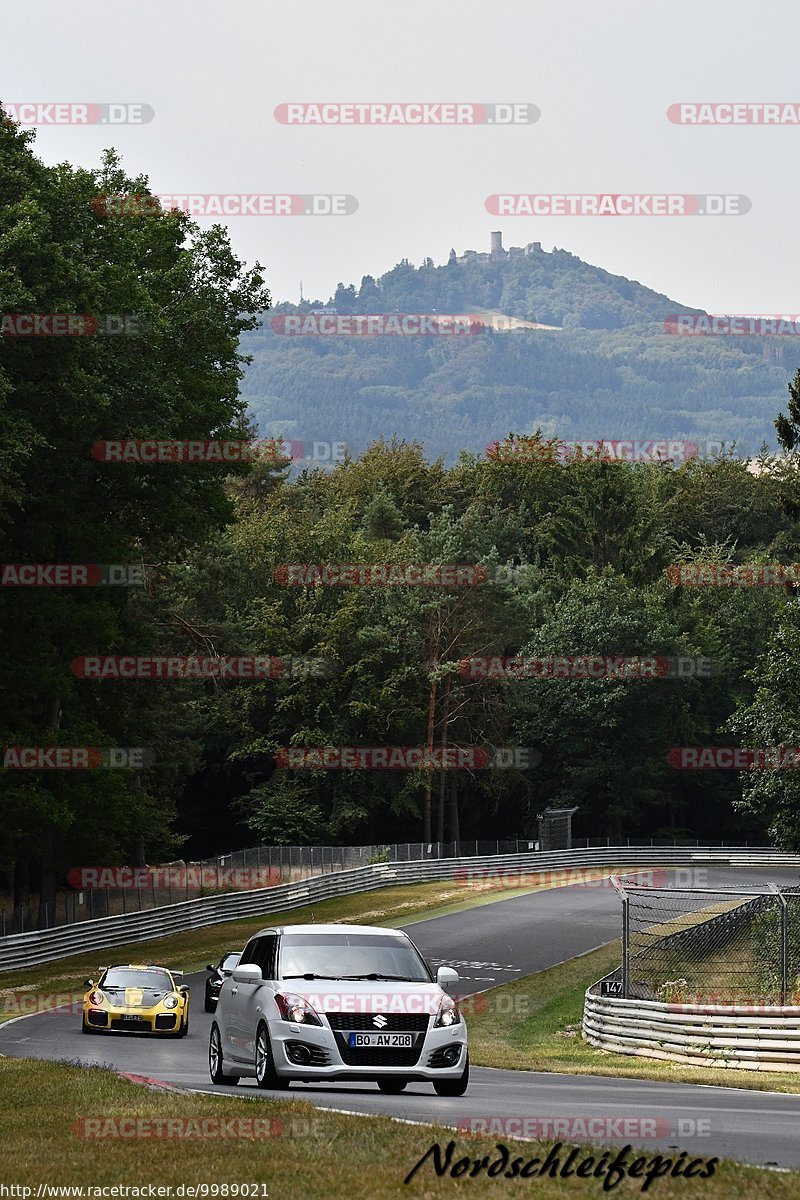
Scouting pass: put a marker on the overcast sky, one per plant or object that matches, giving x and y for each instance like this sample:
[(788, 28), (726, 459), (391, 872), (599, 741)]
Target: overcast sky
[(603, 77)]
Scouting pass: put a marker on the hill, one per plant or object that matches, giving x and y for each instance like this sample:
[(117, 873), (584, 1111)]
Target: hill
[(607, 366)]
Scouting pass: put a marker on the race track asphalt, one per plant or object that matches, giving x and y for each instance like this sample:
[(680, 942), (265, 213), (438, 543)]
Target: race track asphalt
[(489, 945)]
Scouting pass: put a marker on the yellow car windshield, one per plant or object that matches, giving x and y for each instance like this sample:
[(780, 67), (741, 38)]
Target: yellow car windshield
[(157, 981)]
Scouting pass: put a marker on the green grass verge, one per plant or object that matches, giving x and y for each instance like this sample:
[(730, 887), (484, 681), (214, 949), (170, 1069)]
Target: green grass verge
[(534, 1024), (320, 1155)]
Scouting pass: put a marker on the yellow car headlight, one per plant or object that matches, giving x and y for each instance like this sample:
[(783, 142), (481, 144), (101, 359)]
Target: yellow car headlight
[(170, 1002)]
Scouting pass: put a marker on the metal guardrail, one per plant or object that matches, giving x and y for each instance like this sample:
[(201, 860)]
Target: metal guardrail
[(762, 1038), (28, 949)]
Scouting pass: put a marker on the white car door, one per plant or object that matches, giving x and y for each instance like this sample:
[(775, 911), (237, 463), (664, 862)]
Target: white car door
[(251, 1000)]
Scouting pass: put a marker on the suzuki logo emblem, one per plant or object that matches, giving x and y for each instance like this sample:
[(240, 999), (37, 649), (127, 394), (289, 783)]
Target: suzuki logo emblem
[(380, 1021)]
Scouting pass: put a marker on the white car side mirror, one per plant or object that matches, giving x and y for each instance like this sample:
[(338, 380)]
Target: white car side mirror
[(446, 977), (248, 973)]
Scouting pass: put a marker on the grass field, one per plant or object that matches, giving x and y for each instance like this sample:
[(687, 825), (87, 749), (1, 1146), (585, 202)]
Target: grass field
[(295, 1151)]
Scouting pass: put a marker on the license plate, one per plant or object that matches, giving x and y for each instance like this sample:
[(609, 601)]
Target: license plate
[(132, 1018), (395, 1041)]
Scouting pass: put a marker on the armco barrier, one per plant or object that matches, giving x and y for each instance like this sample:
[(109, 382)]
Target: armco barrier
[(27, 949), (763, 1038)]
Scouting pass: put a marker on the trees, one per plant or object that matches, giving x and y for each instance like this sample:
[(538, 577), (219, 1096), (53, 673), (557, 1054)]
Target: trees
[(604, 741), (185, 300), (772, 719)]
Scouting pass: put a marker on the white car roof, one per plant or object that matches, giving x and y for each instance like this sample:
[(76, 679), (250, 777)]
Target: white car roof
[(332, 928)]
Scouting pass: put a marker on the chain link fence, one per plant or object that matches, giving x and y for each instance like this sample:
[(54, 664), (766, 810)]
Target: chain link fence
[(707, 946), (104, 892), (266, 866)]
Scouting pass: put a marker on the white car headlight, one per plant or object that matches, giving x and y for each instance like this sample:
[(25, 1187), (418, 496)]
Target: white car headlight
[(296, 1009), (448, 1013), (170, 1002)]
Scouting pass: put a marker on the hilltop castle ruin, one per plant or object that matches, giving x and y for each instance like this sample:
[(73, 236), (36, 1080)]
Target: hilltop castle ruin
[(497, 253)]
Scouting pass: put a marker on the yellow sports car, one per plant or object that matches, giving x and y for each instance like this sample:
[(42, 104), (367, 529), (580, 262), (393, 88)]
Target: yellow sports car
[(137, 999)]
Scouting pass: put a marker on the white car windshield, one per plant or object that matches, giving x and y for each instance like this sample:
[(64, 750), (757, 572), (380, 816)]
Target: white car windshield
[(351, 956)]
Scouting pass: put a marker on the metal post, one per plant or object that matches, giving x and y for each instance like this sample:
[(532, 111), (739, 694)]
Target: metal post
[(626, 938), (784, 945)]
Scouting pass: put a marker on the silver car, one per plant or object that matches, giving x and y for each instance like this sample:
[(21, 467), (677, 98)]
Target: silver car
[(338, 1002)]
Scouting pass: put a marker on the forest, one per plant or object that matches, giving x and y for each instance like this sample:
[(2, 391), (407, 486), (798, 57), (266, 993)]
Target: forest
[(553, 558)]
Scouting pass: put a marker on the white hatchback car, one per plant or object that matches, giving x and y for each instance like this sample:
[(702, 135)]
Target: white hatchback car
[(338, 1002)]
